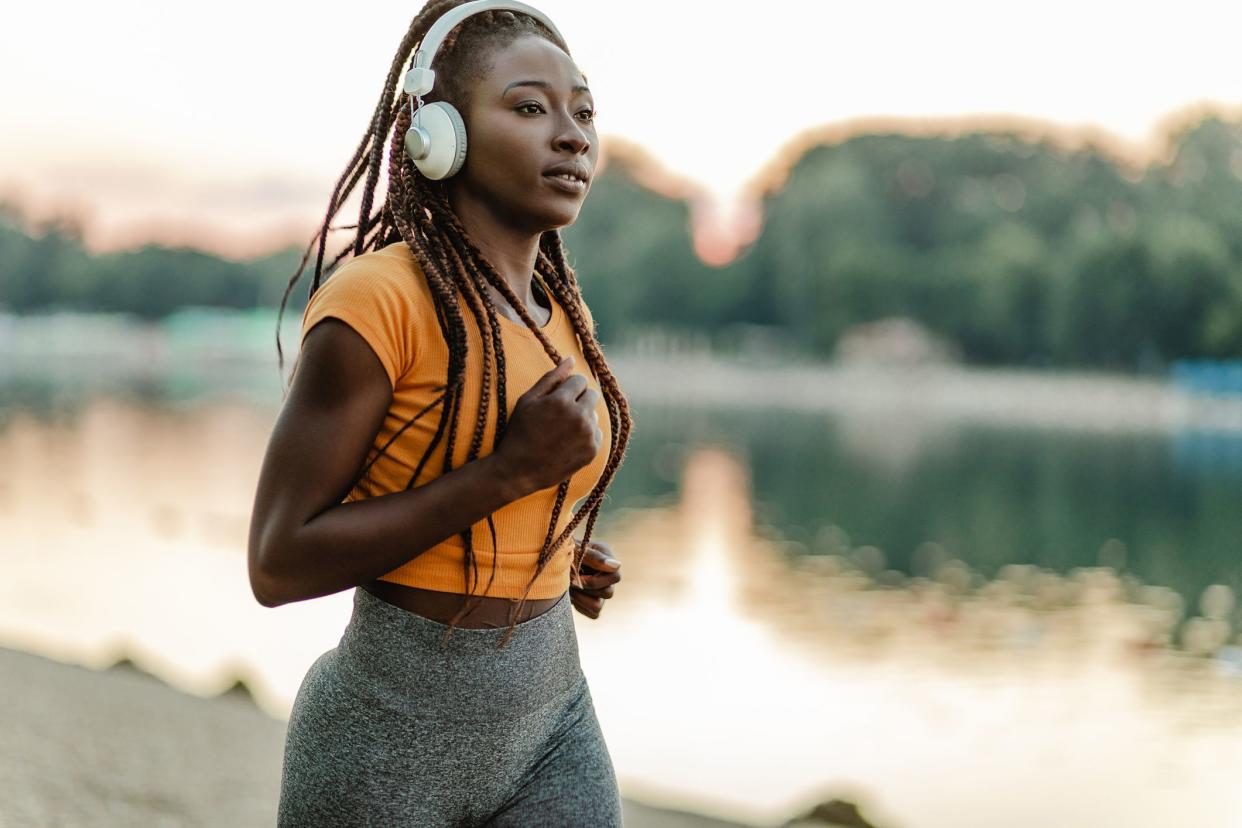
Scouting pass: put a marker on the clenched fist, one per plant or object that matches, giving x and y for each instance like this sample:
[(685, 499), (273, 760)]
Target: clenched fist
[(599, 571)]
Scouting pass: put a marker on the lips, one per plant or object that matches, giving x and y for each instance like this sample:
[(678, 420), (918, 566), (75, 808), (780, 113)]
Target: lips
[(570, 168), (570, 177), (566, 184)]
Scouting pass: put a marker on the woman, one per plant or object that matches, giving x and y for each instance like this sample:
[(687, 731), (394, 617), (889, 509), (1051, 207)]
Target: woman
[(449, 701)]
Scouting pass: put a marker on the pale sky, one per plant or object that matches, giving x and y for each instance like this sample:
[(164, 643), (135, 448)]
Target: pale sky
[(228, 123)]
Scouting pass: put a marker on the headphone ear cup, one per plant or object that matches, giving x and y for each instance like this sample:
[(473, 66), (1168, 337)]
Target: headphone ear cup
[(446, 144)]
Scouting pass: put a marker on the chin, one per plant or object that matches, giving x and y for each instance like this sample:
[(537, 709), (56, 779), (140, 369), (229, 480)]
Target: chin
[(555, 221)]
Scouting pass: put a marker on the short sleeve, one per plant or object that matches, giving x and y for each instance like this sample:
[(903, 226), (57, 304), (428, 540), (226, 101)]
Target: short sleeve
[(376, 300)]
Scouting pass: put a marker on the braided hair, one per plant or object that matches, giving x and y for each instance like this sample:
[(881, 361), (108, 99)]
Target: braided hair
[(417, 211)]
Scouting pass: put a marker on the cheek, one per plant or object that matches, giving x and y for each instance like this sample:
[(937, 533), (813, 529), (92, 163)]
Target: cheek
[(496, 144), (510, 160)]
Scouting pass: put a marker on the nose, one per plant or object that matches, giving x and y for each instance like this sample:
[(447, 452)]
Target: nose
[(573, 136)]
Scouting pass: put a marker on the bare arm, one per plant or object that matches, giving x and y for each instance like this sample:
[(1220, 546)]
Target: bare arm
[(305, 543)]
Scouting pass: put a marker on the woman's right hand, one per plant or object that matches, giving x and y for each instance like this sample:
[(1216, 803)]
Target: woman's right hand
[(553, 430)]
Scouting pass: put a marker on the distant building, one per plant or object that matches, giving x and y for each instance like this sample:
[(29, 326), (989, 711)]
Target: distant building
[(895, 341)]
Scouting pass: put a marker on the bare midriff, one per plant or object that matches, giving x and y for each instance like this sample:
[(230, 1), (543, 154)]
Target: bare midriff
[(489, 611)]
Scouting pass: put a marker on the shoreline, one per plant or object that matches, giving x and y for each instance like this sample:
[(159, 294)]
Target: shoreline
[(940, 393), (120, 746), (1077, 400)]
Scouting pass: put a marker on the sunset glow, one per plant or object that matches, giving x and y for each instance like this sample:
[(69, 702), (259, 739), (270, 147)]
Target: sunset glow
[(227, 131)]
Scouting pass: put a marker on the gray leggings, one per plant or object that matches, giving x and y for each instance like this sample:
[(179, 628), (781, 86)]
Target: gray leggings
[(388, 729)]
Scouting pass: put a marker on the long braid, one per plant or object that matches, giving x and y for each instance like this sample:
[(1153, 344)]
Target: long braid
[(416, 211), (433, 214), (501, 284), (488, 326), (614, 400), (468, 266)]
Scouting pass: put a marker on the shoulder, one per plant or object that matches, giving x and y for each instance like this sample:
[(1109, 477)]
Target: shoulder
[(387, 283), (383, 295), (393, 270)]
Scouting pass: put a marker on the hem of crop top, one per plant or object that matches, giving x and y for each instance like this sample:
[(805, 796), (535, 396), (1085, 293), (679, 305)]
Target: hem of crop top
[(449, 591)]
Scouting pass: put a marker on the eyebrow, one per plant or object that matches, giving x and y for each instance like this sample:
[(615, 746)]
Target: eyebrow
[(540, 84)]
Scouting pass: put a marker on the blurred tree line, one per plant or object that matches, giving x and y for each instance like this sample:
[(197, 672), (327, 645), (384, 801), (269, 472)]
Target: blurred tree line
[(51, 270), (1017, 251)]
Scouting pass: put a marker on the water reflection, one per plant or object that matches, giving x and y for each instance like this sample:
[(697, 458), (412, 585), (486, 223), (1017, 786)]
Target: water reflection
[(985, 495), (1199, 453), (765, 648), (760, 683)]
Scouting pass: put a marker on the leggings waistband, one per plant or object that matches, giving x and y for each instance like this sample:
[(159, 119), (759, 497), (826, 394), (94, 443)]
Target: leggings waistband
[(399, 659)]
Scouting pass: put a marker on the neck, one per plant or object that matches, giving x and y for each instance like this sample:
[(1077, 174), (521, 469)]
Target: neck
[(510, 250)]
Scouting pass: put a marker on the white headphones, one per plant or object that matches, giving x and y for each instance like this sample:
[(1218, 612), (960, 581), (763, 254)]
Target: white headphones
[(436, 139)]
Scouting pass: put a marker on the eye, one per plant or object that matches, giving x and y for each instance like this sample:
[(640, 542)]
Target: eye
[(591, 114), (527, 105)]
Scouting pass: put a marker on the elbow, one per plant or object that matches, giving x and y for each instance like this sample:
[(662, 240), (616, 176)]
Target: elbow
[(265, 588), (266, 583), (264, 593)]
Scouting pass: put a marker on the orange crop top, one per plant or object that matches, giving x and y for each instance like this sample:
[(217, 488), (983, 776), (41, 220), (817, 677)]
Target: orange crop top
[(384, 296)]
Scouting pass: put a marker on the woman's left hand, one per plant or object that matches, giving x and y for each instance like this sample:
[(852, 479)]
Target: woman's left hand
[(599, 571)]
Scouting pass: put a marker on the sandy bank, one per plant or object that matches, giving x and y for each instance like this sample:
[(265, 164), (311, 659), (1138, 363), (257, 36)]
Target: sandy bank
[(118, 747)]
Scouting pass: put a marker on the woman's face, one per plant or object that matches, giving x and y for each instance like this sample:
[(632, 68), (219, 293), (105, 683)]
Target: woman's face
[(528, 114)]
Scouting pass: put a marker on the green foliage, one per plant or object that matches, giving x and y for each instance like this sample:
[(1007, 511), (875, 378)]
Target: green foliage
[(52, 271), (632, 251), (1017, 251)]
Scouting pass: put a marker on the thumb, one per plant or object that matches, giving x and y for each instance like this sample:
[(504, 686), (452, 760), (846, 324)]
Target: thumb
[(553, 378)]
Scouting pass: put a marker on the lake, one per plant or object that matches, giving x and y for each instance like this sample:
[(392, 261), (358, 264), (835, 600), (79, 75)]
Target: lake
[(950, 618)]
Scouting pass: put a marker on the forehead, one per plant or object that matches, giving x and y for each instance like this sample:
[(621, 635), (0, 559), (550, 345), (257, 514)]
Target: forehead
[(532, 58)]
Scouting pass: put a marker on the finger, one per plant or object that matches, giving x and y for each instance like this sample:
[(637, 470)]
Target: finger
[(599, 580), (571, 387), (587, 597), (598, 592), (552, 379), (595, 578), (595, 553), (600, 559), (603, 546), (589, 397), (587, 605), (597, 560)]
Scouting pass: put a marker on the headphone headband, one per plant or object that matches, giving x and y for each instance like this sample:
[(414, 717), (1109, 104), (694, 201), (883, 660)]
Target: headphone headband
[(420, 79)]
